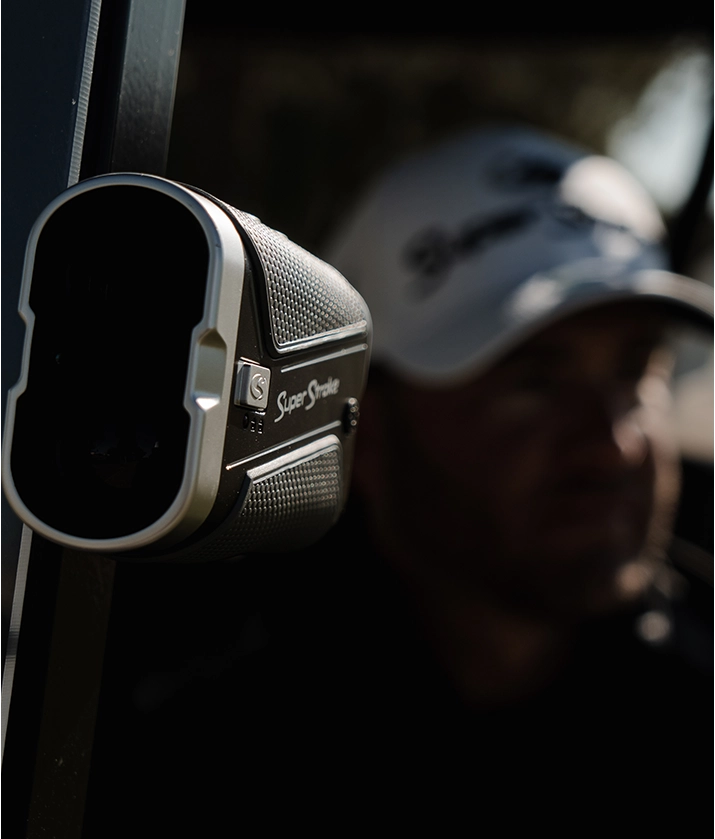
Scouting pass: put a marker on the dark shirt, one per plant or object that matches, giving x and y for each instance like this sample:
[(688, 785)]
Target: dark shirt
[(325, 709)]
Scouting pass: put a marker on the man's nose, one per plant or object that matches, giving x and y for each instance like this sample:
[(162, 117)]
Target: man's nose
[(629, 437), (609, 428)]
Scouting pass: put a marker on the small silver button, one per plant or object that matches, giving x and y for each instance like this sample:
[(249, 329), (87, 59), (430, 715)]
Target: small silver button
[(252, 385)]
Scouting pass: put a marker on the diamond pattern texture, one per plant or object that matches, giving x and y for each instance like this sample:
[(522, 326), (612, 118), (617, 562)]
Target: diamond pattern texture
[(284, 511), (309, 300)]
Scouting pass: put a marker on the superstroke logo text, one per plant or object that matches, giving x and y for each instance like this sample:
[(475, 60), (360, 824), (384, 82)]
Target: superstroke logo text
[(307, 398)]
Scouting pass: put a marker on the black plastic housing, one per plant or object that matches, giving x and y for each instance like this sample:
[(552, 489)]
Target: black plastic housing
[(187, 379)]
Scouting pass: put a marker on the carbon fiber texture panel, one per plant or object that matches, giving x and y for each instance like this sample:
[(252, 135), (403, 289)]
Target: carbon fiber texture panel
[(284, 510), (309, 300)]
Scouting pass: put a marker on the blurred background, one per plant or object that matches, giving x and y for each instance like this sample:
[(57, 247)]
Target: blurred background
[(288, 115), (291, 119), (292, 122)]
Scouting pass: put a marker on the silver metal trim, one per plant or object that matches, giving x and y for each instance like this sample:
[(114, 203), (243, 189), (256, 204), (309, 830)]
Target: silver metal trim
[(207, 396), (291, 459), (330, 357), (292, 441), (357, 330)]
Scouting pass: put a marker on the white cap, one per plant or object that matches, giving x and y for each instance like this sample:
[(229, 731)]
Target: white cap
[(463, 252)]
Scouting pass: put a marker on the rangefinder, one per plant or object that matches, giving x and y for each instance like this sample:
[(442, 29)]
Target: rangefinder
[(190, 379)]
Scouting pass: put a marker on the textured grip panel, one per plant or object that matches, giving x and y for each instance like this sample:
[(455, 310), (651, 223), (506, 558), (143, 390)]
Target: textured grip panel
[(309, 301), (284, 509)]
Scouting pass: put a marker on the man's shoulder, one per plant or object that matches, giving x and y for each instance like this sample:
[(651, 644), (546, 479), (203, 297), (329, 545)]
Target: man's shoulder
[(693, 562), (691, 602)]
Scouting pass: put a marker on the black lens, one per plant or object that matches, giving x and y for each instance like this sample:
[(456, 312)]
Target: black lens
[(100, 434)]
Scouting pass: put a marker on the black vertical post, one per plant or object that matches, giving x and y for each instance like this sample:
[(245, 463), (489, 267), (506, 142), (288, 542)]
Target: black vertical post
[(88, 88)]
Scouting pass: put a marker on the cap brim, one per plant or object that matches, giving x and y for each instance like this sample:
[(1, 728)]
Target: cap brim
[(463, 354)]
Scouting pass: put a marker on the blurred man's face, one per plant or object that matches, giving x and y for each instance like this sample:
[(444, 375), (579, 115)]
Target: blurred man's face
[(550, 482)]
